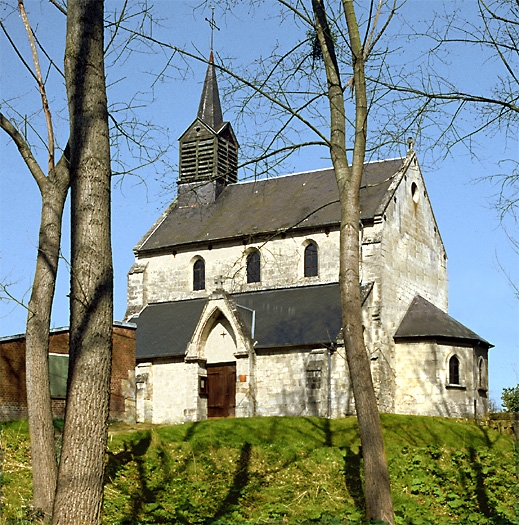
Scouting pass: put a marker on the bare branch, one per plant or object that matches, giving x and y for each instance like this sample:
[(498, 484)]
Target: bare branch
[(10, 297), (117, 25), (24, 150), (58, 6), (27, 66), (372, 41), (41, 85), (497, 17), (305, 18), (452, 96), (234, 75), (47, 56)]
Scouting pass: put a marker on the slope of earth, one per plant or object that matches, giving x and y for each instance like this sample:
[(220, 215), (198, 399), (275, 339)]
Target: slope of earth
[(286, 470)]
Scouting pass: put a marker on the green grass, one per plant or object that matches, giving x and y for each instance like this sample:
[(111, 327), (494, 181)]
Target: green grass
[(288, 470)]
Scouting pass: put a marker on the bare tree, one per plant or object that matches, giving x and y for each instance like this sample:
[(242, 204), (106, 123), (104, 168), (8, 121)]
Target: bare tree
[(53, 188), (444, 112), (127, 129), (81, 470), (377, 492)]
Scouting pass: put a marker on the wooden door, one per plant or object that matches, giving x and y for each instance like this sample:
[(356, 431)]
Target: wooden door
[(221, 390)]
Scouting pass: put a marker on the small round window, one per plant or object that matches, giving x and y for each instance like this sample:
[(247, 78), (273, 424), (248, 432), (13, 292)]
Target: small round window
[(415, 193)]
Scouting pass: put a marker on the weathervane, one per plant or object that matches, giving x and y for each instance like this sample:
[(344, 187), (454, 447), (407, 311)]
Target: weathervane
[(212, 25)]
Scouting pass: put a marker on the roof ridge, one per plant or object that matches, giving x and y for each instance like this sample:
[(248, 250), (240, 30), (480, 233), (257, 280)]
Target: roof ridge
[(329, 168), (283, 176)]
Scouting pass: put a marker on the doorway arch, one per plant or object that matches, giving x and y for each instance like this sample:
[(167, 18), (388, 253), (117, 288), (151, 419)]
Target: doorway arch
[(219, 348)]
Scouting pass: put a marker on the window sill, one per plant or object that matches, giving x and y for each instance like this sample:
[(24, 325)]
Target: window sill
[(452, 386)]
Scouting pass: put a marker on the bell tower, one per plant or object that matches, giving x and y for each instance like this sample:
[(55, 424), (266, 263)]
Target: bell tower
[(208, 148)]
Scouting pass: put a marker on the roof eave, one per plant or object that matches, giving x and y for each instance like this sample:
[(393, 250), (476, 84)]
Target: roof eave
[(140, 250), (443, 339)]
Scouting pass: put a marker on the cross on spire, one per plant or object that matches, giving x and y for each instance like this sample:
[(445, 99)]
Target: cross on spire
[(212, 25)]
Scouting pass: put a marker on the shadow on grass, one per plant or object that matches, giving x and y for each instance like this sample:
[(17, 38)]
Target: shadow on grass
[(352, 476), (133, 451), (485, 505), (241, 478), (190, 432)]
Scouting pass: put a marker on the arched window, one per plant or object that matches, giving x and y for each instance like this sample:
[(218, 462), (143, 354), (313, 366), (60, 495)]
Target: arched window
[(454, 370), (199, 275), (311, 265), (253, 267)]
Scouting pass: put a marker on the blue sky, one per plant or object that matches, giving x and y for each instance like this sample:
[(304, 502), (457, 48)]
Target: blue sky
[(479, 295)]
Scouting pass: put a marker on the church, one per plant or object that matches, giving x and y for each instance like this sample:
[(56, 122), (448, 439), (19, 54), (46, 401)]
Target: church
[(235, 293)]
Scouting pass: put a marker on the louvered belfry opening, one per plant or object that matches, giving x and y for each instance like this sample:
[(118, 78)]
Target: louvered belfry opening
[(227, 156), (207, 156), (209, 149)]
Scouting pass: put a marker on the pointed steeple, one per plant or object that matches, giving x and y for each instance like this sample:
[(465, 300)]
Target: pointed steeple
[(208, 148), (210, 110)]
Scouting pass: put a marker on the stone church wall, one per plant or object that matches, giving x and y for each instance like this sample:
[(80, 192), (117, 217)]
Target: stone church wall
[(303, 382), (167, 390), (285, 388), (295, 382), (403, 255), (422, 385), (412, 256), (169, 277)]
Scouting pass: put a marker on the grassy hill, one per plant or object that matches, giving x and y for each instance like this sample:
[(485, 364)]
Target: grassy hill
[(287, 470)]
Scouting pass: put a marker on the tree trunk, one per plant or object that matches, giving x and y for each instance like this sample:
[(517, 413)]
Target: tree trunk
[(43, 452), (377, 492), (81, 471), (53, 190)]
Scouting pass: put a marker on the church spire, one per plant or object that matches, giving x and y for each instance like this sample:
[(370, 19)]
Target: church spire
[(208, 148), (210, 110)]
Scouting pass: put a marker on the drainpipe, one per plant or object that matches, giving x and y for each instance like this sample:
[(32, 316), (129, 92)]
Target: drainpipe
[(475, 374), (253, 323), (329, 355), (252, 362), (361, 240)]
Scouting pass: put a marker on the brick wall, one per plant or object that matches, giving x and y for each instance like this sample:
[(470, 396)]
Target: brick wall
[(13, 401), (13, 397), (122, 385)]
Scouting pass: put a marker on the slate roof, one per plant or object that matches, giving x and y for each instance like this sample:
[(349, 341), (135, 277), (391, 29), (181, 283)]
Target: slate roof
[(245, 209), (283, 318), (299, 316), (426, 321), (309, 315), (210, 110), (165, 329)]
